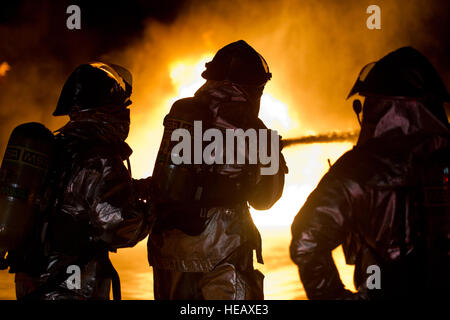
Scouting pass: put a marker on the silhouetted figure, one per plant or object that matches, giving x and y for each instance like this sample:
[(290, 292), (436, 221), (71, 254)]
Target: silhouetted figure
[(202, 247), (387, 200), (93, 208)]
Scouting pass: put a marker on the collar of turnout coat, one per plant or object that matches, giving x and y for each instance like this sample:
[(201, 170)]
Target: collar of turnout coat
[(230, 106), (224, 90), (384, 116), (108, 130)]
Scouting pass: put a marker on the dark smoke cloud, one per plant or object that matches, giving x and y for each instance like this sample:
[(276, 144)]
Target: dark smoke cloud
[(41, 51)]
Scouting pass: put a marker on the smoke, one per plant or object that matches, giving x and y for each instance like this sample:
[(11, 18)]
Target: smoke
[(315, 50), (42, 52)]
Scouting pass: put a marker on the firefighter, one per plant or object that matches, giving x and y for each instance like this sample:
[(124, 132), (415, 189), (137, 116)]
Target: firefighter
[(92, 206), (387, 200), (203, 243)]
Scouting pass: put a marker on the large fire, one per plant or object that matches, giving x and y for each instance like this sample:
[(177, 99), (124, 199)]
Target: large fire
[(307, 163), (314, 49)]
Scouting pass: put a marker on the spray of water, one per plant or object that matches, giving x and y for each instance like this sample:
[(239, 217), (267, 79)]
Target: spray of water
[(321, 138)]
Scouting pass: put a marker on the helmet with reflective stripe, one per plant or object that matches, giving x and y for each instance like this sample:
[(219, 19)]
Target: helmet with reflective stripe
[(95, 85)]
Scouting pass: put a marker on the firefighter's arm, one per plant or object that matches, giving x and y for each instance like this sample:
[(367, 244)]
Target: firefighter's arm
[(268, 188), (317, 230), (119, 218), (268, 182)]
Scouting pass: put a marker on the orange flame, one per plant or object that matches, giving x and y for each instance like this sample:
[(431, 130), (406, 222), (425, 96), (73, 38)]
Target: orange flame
[(4, 68)]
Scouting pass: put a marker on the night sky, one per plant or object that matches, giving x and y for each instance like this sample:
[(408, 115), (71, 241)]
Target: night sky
[(106, 25)]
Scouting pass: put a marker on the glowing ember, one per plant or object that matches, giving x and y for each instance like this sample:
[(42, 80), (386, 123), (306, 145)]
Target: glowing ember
[(4, 67)]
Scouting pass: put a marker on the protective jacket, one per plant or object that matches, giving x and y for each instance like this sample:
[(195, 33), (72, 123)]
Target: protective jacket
[(95, 209), (214, 261), (387, 202)]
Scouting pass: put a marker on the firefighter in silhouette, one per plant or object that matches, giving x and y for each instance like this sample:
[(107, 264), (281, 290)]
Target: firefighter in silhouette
[(92, 204), (202, 246), (387, 200)]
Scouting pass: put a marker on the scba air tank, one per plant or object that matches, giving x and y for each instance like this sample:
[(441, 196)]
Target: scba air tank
[(22, 177)]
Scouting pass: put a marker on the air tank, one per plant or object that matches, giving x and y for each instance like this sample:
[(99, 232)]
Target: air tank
[(23, 174)]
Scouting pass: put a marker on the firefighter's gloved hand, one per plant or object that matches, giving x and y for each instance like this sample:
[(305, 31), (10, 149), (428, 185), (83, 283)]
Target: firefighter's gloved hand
[(144, 188)]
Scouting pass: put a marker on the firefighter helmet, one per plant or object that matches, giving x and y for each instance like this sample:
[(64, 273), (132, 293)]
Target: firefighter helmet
[(95, 85), (402, 73), (240, 63)]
